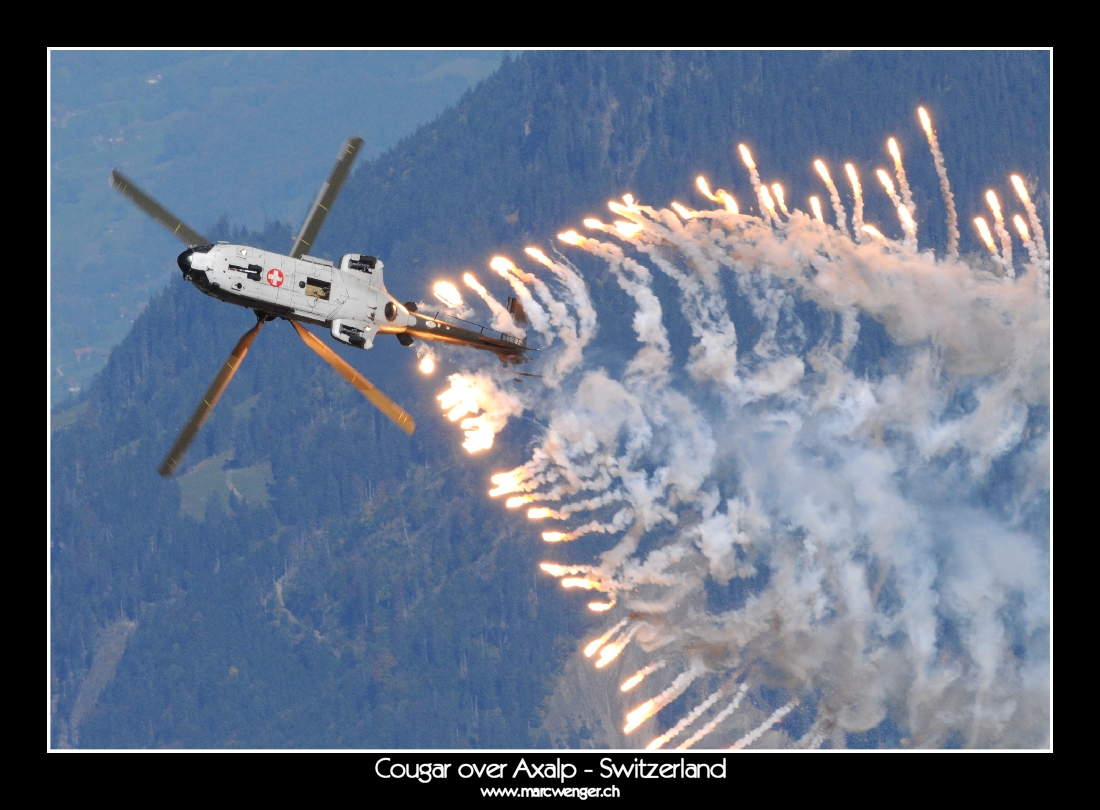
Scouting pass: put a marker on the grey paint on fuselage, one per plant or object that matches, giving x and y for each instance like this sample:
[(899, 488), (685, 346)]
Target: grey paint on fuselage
[(307, 289), (351, 300)]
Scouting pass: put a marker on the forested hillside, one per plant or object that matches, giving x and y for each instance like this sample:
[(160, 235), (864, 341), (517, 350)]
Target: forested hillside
[(316, 578)]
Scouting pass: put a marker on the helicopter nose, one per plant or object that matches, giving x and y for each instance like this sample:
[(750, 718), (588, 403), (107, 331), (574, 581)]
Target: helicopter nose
[(184, 260)]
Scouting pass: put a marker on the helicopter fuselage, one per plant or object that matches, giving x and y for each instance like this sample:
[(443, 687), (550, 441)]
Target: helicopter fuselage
[(350, 300)]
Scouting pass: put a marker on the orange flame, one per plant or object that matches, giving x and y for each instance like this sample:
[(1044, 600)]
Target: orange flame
[(553, 569), (517, 501), (571, 238), (887, 183), (1022, 228), (778, 189), (1021, 190), (538, 513), (766, 198), (501, 265), (730, 203), (815, 205), (599, 607), (609, 654), (820, 166), (906, 219), (627, 229), (987, 237), (925, 121), (745, 156), (538, 256), (994, 204), (683, 212), (871, 229), (592, 222), (448, 293), (895, 153), (631, 682), (427, 365), (580, 582), (639, 716), (704, 189), (853, 178), (554, 537), (506, 482)]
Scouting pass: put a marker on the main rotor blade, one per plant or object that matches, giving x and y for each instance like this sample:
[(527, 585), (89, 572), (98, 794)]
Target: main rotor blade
[(361, 383), (209, 400), (189, 236), (316, 217)]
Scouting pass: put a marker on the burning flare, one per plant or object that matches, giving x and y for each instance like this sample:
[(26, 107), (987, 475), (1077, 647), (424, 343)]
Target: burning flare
[(427, 364), (506, 482), (595, 644), (554, 537), (747, 157), (1021, 228), (903, 182), (640, 675), (448, 294), (1032, 216), (834, 195), (766, 201), (517, 501), (857, 194), (815, 206), (704, 189), (640, 715), (538, 513), (987, 237), (945, 185), (778, 190), (683, 212), (627, 229)]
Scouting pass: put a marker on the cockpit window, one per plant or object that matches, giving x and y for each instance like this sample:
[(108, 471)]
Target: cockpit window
[(202, 249)]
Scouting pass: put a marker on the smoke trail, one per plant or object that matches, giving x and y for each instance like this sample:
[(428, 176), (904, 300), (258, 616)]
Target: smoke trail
[(754, 178), (945, 186), (716, 721), (538, 316), (778, 189), (478, 394), (857, 193), (757, 732), (654, 705), (861, 477), (903, 181), (1032, 216), (687, 720), (834, 195), (502, 321), (1002, 232), (1029, 243), (640, 675)]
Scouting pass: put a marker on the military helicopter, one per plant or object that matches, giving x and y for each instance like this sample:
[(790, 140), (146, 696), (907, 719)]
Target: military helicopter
[(350, 300)]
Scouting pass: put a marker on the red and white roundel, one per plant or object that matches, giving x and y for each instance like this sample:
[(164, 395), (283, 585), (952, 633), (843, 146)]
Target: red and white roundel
[(275, 277)]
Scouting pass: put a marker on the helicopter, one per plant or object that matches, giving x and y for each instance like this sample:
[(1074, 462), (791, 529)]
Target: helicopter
[(349, 299)]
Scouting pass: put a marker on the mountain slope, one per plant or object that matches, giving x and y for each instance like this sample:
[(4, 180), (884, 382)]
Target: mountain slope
[(315, 578)]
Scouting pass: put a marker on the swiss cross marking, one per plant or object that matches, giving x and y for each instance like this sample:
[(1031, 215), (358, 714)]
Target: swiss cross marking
[(275, 277)]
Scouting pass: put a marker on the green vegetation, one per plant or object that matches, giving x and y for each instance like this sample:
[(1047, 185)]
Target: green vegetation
[(316, 578)]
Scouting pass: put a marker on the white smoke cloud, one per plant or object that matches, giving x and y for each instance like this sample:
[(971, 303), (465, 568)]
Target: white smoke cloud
[(881, 512)]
